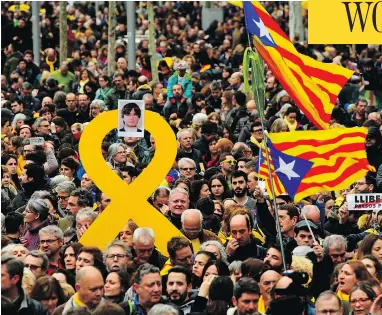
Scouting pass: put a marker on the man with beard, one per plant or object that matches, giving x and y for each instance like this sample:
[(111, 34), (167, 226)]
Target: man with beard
[(239, 183), (227, 165), (51, 240), (246, 294), (176, 106), (179, 288), (267, 281), (374, 147), (242, 245), (214, 100), (273, 259)]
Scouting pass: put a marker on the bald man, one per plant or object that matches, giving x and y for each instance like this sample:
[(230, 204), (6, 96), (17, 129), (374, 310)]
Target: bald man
[(192, 228), (314, 214), (267, 281), (376, 117), (89, 287)]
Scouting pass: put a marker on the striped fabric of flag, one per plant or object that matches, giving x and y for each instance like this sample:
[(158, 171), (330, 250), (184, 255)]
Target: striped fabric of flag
[(337, 157), (313, 85), (263, 172)]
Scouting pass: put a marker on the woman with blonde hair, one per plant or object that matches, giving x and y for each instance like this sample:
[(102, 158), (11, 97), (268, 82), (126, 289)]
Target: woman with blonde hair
[(279, 125)]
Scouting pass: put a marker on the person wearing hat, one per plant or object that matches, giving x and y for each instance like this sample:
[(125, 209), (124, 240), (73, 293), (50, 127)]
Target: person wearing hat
[(303, 236), (180, 77)]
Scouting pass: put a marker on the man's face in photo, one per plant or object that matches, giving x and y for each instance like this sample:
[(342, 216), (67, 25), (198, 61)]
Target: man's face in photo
[(131, 120)]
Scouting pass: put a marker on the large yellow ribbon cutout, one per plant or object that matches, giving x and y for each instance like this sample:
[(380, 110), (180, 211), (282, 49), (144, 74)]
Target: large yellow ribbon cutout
[(128, 201)]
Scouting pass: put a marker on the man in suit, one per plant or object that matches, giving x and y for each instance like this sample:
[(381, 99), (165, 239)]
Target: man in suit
[(131, 114)]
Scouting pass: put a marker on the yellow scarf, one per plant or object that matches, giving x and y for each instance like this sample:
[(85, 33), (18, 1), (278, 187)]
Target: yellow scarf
[(77, 300), (50, 64), (292, 127), (254, 141), (342, 296), (261, 305)]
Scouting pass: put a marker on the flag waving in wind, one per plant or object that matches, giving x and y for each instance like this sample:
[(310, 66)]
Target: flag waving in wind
[(315, 161), (313, 86)]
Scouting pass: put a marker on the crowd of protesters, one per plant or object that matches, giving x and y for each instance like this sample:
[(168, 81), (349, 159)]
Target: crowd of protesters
[(230, 258)]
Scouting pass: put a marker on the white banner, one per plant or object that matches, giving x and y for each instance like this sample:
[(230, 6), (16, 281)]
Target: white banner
[(364, 201)]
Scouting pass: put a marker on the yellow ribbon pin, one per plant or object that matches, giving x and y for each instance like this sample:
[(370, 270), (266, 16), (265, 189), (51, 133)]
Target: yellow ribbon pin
[(128, 201)]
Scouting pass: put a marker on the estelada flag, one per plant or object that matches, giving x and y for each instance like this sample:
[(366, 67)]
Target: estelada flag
[(313, 85), (315, 161)]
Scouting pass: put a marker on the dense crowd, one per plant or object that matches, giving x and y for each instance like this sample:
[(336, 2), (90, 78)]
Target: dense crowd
[(230, 260)]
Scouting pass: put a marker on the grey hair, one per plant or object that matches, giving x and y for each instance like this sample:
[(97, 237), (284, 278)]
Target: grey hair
[(39, 206), (7, 250), (182, 161), (58, 179), (185, 212), (143, 232), (180, 132), (19, 116), (235, 266), (42, 255), (219, 246), (38, 122), (147, 95), (161, 309), (305, 209), (52, 229), (178, 191), (86, 212), (144, 270), (334, 241), (100, 104), (65, 187), (215, 85), (41, 194), (118, 243), (113, 149)]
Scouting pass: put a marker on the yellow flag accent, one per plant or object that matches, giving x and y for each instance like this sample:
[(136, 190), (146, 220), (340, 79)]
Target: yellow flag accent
[(128, 201)]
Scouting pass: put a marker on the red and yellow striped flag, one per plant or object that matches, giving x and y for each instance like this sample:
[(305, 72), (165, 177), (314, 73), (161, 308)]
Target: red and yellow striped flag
[(317, 161), (313, 85)]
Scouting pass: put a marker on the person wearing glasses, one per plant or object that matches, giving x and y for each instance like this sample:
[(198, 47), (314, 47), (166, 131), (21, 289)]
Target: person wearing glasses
[(328, 303), (37, 262), (117, 256), (35, 216), (63, 191), (227, 165), (144, 250), (361, 298), (51, 240), (187, 168)]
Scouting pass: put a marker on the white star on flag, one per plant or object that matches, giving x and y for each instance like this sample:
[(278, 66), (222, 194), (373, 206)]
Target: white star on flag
[(287, 169), (263, 30)]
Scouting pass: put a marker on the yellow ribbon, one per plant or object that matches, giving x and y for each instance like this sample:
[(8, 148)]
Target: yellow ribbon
[(128, 201)]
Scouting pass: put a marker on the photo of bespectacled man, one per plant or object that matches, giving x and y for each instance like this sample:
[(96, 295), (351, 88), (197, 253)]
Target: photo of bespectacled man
[(130, 118)]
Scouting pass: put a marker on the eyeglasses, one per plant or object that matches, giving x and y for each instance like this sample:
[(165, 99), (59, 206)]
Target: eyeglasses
[(360, 301), (49, 242), (331, 312), (191, 230), (257, 131), (337, 255), (63, 197), (232, 162), (32, 267), (144, 250), (118, 256), (188, 168)]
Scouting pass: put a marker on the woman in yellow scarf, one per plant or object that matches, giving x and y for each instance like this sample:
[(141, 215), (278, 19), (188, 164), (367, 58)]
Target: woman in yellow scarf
[(290, 118)]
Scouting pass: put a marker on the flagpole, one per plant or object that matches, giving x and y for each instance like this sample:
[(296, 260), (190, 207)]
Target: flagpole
[(261, 104)]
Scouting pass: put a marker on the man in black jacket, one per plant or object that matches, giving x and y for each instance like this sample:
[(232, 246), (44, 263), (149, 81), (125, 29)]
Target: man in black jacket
[(243, 244), (144, 250), (186, 140), (12, 271), (208, 130)]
